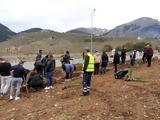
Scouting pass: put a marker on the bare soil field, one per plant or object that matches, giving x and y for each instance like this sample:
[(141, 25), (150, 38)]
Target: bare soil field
[(110, 99)]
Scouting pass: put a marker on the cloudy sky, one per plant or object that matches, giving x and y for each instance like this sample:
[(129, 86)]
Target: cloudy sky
[(63, 15)]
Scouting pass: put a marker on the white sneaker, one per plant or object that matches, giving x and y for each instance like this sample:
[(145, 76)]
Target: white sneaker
[(51, 87), (11, 97), (17, 98), (47, 88)]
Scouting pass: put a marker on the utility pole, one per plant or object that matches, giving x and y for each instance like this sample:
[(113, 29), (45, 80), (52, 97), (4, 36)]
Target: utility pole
[(92, 30)]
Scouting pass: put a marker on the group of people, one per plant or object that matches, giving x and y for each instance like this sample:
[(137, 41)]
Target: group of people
[(134, 56), (44, 68), (11, 76)]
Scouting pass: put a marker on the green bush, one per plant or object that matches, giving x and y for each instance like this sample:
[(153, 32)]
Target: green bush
[(107, 48), (139, 46)]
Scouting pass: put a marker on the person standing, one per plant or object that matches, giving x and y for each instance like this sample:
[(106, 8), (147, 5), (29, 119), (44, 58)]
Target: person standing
[(5, 72), (88, 69), (38, 63), (149, 55), (123, 55), (97, 57), (133, 57), (104, 62), (18, 74), (116, 60), (66, 57), (50, 67), (144, 54)]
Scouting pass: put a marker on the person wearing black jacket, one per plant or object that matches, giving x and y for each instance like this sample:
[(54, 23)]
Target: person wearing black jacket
[(38, 63), (5, 72), (104, 62), (35, 80), (18, 74), (50, 67), (123, 55), (66, 57), (116, 60)]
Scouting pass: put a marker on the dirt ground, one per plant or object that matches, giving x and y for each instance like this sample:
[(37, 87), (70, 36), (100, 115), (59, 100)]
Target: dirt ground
[(110, 99)]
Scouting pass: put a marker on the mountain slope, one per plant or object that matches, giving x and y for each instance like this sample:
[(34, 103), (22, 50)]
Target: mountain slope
[(5, 33), (32, 30), (142, 27), (88, 31)]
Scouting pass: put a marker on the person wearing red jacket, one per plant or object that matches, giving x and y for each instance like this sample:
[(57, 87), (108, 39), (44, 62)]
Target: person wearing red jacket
[(149, 55)]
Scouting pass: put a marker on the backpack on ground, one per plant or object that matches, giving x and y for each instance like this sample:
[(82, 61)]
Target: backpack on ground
[(120, 74)]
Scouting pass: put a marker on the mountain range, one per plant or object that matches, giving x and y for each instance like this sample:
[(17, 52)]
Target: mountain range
[(5, 33), (144, 27)]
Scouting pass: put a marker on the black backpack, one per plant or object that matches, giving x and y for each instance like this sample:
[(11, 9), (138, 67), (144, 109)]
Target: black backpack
[(120, 74)]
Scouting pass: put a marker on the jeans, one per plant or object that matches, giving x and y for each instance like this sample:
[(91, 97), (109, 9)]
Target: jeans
[(49, 76), (18, 81), (5, 84), (86, 82)]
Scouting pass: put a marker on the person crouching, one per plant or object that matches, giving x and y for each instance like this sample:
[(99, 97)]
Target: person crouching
[(68, 68), (35, 81)]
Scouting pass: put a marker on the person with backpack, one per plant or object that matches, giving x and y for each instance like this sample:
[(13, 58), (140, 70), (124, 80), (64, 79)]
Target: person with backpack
[(38, 63), (104, 62), (5, 72), (88, 69), (44, 62), (116, 60), (66, 57), (50, 67)]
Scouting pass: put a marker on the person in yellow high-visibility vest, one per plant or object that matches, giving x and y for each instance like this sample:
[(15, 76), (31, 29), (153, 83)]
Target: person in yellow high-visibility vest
[(88, 69)]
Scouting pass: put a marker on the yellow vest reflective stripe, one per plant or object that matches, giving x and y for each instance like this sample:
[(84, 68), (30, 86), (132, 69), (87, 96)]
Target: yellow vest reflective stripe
[(90, 67)]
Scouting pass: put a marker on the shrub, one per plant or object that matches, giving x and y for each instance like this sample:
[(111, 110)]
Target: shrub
[(107, 48)]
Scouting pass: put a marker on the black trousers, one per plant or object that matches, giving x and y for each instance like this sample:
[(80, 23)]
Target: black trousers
[(68, 75), (39, 69), (144, 58), (123, 58), (96, 68), (149, 59), (86, 82), (115, 67)]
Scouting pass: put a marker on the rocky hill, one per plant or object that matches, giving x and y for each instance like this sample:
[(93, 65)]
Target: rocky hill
[(5, 33), (143, 27), (88, 31)]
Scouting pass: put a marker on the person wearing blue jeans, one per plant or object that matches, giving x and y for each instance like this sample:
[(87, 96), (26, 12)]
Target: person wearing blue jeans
[(18, 74), (49, 76), (49, 69), (18, 82), (5, 69)]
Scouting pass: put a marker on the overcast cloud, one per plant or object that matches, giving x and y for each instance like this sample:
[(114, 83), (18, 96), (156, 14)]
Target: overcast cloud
[(63, 15)]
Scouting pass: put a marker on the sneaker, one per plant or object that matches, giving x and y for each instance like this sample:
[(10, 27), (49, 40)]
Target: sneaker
[(47, 88), (51, 87), (11, 97), (84, 94), (17, 98)]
